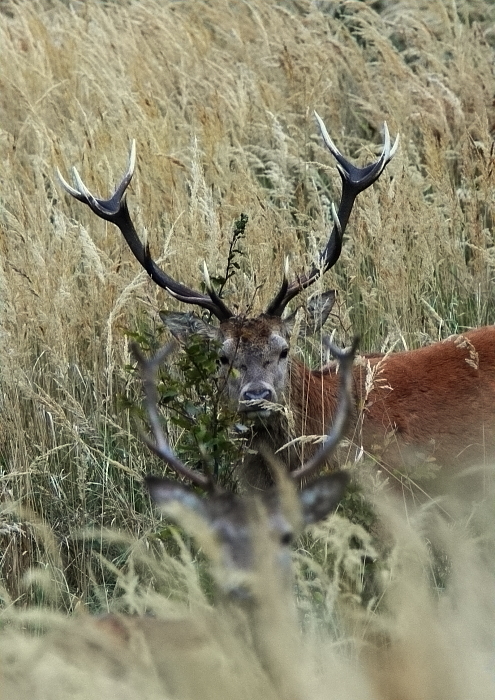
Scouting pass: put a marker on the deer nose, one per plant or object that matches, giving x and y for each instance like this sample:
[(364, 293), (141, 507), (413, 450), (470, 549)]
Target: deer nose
[(257, 395)]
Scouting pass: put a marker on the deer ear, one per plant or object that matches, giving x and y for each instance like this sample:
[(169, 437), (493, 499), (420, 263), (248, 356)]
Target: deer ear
[(289, 322), (182, 325), (322, 497), (165, 492), (318, 309)]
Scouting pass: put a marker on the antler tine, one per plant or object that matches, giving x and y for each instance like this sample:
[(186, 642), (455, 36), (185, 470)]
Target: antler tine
[(102, 208), (148, 368), (354, 181), (346, 359), (115, 211)]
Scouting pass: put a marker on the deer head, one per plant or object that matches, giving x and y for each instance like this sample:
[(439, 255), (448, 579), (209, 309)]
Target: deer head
[(229, 522), (254, 350)]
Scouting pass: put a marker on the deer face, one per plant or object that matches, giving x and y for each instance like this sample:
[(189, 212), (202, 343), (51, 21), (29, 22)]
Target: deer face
[(254, 351), (253, 356), (245, 534), (254, 360)]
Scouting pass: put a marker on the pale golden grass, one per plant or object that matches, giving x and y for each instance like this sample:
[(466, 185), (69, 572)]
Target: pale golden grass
[(219, 96), (428, 634)]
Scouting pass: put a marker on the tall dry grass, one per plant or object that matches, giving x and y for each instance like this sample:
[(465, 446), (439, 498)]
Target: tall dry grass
[(219, 96), (416, 642)]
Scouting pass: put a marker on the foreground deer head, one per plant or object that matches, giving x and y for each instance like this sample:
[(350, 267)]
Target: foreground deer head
[(231, 519)]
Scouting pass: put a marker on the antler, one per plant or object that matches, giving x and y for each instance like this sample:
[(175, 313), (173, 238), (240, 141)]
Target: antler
[(354, 181), (148, 368), (116, 211), (325, 452)]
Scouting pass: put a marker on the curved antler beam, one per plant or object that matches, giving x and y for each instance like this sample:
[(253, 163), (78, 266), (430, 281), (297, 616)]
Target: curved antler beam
[(148, 368), (115, 211), (354, 181)]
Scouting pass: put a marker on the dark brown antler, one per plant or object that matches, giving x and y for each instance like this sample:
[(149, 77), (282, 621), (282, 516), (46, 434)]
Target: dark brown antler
[(116, 211), (354, 181), (148, 368)]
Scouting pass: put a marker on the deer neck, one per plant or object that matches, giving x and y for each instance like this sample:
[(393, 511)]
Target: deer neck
[(267, 620), (267, 437)]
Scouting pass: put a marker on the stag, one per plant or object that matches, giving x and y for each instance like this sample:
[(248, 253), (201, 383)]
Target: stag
[(432, 405)]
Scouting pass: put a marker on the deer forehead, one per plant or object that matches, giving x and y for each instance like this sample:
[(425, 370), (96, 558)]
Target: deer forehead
[(230, 511), (262, 334), (236, 523)]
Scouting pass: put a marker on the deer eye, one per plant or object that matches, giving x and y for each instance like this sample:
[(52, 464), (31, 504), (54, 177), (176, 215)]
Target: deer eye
[(286, 538), (284, 353), (224, 359)]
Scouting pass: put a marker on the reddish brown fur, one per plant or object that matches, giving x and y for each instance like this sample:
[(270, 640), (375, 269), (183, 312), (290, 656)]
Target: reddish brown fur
[(433, 404)]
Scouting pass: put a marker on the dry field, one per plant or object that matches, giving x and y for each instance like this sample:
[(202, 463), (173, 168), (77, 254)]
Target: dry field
[(219, 96)]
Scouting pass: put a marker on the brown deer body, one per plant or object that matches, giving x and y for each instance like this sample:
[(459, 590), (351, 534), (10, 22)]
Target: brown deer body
[(432, 404), (402, 404)]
